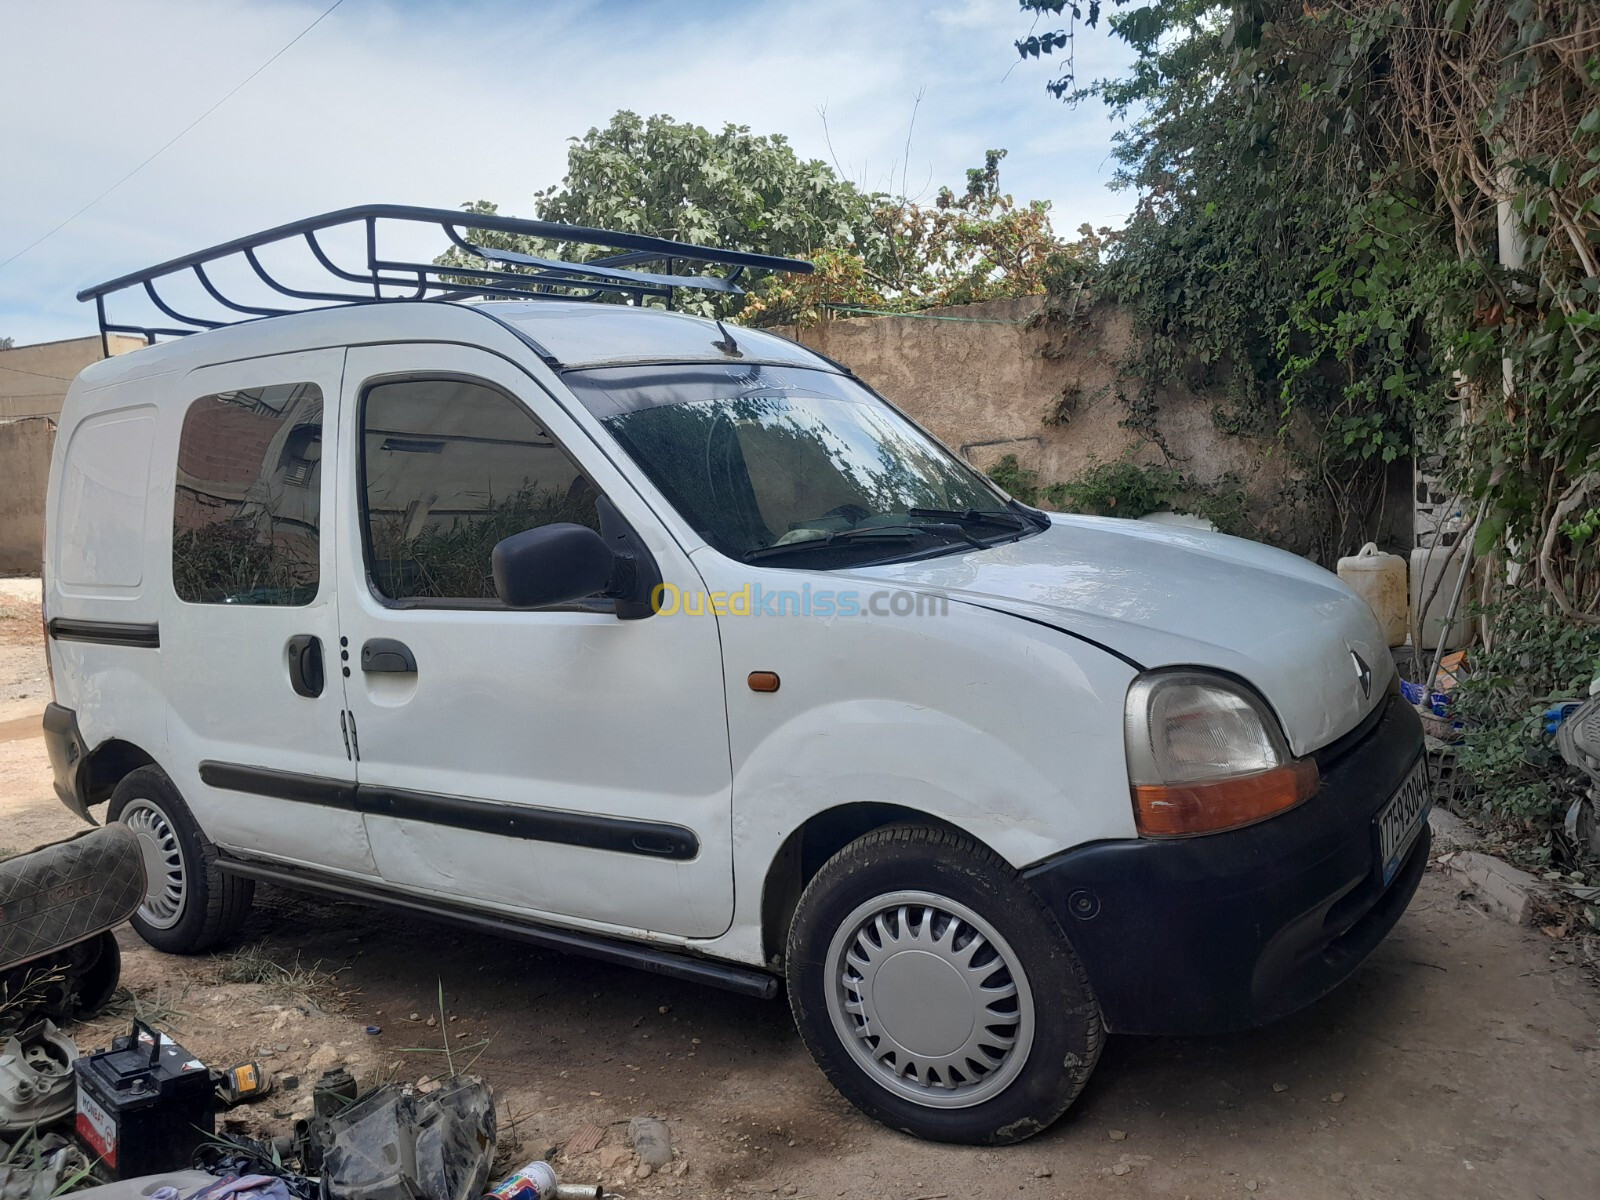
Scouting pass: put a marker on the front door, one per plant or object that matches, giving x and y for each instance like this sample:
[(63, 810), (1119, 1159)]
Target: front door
[(564, 763), (250, 633)]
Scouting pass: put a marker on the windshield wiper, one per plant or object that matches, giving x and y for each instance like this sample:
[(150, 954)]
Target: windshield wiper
[(865, 533), (971, 516)]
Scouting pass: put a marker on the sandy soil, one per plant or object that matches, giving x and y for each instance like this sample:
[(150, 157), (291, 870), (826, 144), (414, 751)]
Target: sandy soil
[(1462, 1061)]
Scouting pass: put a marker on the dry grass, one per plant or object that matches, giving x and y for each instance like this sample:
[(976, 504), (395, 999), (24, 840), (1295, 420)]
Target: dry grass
[(254, 965)]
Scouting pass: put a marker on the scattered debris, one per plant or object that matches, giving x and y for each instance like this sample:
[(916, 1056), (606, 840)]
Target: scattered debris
[(146, 1187), (534, 1181), (585, 1140), (145, 1105), (650, 1138), (35, 1077), (40, 1166), (1450, 832), (60, 961), (243, 1083), (1504, 890), (396, 1144)]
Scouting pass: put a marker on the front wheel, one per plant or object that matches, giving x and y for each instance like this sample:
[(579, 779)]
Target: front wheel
[(937, 993)]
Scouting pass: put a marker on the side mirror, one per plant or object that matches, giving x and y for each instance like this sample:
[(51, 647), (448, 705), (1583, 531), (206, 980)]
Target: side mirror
[(554, 564)]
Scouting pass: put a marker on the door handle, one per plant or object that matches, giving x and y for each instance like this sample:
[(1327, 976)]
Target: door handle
[(387, 656), (305, 665)]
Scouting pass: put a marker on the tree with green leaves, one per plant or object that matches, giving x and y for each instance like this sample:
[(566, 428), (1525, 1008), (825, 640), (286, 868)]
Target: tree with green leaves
[(744, 191), (1381, 219)]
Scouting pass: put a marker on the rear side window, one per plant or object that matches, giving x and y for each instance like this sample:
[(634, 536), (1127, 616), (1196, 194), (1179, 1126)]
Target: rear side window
[(449, 468), (245, 519)]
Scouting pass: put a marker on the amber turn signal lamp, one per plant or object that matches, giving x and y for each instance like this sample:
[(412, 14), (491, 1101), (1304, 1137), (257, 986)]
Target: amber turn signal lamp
[(763, 681), (1179, 809)]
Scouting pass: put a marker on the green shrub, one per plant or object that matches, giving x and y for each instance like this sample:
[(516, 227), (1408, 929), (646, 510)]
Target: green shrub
[(1534, 659)]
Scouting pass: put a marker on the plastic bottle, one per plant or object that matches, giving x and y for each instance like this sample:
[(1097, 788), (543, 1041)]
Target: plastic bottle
[(1380, 580)]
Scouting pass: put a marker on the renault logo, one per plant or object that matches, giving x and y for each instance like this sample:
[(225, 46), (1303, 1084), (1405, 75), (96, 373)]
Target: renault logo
[(1363, 674)]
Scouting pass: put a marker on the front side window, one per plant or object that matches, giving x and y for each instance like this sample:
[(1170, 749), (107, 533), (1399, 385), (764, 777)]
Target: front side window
[(794, 466), (247, 504), (449, 468)]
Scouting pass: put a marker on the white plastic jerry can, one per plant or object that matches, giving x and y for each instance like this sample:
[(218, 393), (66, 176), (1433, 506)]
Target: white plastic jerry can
[(1380, 580), (1438, 566)]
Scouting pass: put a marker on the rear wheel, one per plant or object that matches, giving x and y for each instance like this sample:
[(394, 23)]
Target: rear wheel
[(189, 905), (937, 993)]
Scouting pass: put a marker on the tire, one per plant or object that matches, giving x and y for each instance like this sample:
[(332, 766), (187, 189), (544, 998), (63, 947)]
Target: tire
[(190, 906), (953, 916)]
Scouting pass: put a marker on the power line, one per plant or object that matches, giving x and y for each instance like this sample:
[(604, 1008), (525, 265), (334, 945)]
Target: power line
[(40, 374), (173, 141)]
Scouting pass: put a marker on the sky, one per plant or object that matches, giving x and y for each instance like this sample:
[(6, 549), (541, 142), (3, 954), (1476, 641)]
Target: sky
[(435, 103)]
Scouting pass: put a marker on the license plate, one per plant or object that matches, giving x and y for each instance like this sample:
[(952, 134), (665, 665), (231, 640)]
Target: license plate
[(1402, 819)]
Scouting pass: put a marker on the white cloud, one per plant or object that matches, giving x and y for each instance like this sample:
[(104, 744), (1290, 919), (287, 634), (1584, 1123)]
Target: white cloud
[(434, 103)]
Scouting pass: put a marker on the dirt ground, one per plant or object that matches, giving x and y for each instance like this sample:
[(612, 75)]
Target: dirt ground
[(1462, 1061)]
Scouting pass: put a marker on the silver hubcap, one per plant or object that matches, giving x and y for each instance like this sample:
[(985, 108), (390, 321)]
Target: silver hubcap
[(166, 885), (929, 999)]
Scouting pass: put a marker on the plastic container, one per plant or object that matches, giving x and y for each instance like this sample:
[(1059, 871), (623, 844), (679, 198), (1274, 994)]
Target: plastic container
[(1380, 580), (1427, 566), (536, 1181)]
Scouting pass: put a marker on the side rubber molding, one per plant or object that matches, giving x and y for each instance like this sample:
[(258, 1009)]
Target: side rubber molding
[(64, 744), (622, 835), (107, 633), (1227, 931)]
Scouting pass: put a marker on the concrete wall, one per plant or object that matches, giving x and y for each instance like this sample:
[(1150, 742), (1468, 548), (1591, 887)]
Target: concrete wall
[(24, 471), (34, 379), (989, 382), (33, 382)]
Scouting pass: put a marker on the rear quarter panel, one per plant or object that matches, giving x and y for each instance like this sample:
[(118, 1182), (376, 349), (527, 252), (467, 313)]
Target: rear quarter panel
[(104, 536)]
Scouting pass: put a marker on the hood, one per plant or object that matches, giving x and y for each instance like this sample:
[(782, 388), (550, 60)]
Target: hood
[(1161, 596)]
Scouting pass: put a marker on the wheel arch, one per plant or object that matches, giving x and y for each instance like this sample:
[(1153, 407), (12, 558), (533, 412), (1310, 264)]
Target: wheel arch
[(813, 842), (107, 765)]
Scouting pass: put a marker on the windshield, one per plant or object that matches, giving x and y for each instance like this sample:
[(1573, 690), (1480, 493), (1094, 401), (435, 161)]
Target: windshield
[(794, 466)]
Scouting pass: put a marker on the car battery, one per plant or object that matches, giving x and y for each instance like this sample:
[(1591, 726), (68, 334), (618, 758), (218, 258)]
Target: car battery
[(144, 1105)]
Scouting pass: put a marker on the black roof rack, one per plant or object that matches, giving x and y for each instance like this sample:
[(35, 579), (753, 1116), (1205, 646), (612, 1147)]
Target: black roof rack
[(507, 274)]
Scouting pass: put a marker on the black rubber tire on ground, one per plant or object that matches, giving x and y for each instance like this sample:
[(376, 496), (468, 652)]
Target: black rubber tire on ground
[(215, 905), (1068, 1030)]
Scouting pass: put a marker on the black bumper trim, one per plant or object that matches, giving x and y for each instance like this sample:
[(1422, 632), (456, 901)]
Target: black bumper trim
[(1236, 929)]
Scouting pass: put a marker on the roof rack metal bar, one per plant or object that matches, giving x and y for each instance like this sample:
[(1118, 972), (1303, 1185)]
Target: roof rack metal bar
[(389, 280), (150, 290), (708, 283), (594, 270), (248, 309)]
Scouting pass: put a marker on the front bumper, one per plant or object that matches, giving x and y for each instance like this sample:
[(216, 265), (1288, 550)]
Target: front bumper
[(1232, 930)]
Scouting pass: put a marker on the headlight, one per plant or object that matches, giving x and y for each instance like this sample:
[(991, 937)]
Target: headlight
[(1205, 754)]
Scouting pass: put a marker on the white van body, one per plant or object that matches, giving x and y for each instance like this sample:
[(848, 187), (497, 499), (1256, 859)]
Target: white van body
[(617, 786)]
